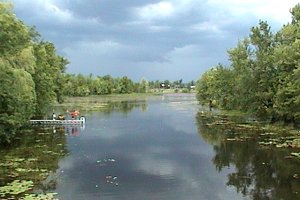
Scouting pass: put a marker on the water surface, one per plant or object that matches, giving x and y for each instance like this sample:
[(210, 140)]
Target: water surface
[(157, 148), (150, 153)]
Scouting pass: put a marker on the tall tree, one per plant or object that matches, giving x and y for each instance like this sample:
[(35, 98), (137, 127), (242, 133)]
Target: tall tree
[(17, 100), (241, 58), (17, 94), (287, 60), (263, 68), (263, 75), (14, 35)]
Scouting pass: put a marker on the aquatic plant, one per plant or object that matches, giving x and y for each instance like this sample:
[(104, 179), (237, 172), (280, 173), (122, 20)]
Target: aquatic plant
[(16, 187), (48, 196)]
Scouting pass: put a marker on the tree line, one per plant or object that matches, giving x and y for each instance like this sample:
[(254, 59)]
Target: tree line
[(80, 85), (33, 76), (263, 77)]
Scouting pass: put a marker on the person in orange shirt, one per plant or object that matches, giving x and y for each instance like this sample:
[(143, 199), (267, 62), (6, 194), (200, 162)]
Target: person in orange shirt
[(74, 114)]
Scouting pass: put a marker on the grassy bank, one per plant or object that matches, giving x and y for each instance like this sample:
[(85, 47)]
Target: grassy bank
[(102, 102)]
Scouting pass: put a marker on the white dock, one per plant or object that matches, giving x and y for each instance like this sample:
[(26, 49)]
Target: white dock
[(80, 121)]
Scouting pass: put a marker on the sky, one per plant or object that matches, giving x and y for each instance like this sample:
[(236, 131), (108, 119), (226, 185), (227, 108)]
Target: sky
[(149, 39)]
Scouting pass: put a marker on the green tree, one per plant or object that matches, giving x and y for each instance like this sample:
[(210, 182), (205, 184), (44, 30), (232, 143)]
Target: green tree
[(205, 85), (263, 69), (263, 77), (143, 86), (17, 94), (48, 76), (241, 58), (216, 85), (124, 85), (17, 100), (32, 74), (14, 35), (287, 60)]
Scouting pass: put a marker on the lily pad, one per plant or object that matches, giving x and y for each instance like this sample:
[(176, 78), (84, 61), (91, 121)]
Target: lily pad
[(16, 187), (297, 155), (48, 196)]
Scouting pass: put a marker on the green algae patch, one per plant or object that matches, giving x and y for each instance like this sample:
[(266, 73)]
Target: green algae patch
[(16, 187), (297, 155), (240, 128), (25, 167), (48, 196)]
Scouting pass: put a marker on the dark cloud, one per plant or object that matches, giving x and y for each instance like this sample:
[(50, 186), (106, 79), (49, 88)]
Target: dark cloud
[(143, 38), (107, 11)]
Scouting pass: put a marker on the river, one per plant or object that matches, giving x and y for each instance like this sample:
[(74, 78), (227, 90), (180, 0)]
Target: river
[(150, 149)]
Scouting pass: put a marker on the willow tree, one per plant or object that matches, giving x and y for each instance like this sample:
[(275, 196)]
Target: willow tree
[(14, 35), (31, 73), (17, 93), (17, 97)]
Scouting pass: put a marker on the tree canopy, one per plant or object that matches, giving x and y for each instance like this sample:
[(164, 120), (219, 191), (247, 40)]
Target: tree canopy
[(30, 72), (263, 77)]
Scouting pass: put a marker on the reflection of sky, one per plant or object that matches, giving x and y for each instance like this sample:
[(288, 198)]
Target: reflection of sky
[(157, 154)]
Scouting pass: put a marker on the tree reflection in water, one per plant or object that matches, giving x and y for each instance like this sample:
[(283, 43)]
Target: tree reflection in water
[(125, 106), (34, 157), (260, 172)]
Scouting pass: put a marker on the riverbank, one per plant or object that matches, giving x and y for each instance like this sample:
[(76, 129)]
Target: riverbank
[(100, 102)]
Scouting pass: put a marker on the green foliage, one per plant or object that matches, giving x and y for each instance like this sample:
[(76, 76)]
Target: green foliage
[(263, 77), (17, 99), (80, 85), (216, 85), (31, 74), (14, 35), (25, 170), (48, 76), (124, 85), (16, 187), (143, 86), (296, 14)]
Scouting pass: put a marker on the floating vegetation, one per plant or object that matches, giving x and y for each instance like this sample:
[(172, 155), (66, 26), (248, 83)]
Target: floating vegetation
[(16, 187), (264, 158), (217, 128), (282, 142), (238, 139), (48, 196), (87, 106), (24, 169), (297, 155), (113, 180)]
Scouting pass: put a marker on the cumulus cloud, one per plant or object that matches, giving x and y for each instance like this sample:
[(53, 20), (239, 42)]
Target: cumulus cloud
[(45, 10), (158, 10), (275, 10), (152, 37)]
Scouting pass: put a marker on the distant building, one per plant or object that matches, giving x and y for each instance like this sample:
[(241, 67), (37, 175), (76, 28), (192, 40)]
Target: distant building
[(163, 85)]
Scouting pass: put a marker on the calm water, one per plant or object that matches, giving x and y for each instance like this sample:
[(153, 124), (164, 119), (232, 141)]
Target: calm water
[(158, 149), (152, 152)]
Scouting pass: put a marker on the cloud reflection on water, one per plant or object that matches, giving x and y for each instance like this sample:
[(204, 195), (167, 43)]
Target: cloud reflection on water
[(158, 155)]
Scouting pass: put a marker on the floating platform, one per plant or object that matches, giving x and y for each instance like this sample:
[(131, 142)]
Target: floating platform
[(80, 121)]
